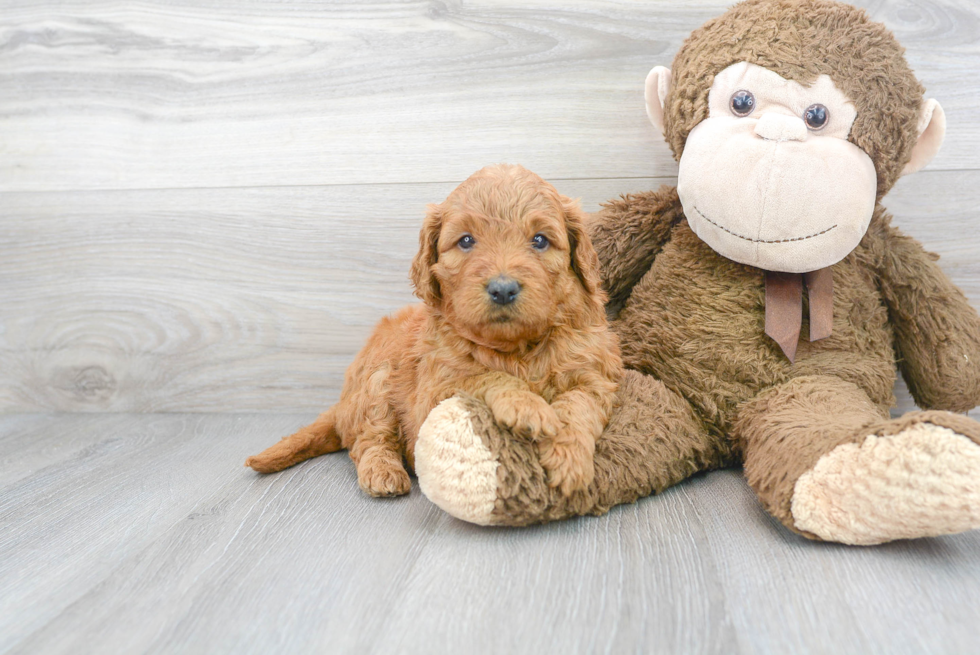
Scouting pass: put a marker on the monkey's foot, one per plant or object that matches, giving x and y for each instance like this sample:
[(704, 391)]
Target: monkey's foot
[(455, 468), (913, 477)]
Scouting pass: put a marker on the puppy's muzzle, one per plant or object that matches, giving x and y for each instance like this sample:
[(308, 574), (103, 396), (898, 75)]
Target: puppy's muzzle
[(503, 290)]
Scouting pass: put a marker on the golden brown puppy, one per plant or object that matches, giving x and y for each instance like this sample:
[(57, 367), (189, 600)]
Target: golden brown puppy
[(513, 314)]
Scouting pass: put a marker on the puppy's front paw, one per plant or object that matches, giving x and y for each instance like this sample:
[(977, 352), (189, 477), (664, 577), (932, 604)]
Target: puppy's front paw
[(525, 413), (568, 462)]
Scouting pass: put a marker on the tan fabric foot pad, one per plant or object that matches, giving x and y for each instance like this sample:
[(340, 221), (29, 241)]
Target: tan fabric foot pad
[(923, 481), (455, 468)]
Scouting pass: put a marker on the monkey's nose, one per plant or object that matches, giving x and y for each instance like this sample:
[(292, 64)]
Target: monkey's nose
[(503, 290), (779, 127)]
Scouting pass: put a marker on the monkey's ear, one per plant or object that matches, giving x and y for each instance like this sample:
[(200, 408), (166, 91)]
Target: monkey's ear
[(658, 82), (426, 284), (932, 129)]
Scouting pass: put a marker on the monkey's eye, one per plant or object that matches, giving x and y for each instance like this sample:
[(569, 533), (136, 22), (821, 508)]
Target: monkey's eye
[(743, 102), (816, 116), (466, 242), (540, 242)]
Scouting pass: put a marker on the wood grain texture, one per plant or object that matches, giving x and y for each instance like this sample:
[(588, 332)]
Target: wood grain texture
[(154, 539), (258, 299), (97, 95)]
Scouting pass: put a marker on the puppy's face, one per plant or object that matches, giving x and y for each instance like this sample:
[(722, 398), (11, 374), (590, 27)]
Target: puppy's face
[(506, 258)]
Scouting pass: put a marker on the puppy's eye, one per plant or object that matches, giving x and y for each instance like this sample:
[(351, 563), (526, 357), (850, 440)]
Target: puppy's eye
[(540, 242), (466, 242), (742, 103)]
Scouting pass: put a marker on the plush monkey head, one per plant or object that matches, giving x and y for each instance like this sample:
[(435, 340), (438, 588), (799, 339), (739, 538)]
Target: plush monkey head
[(790, 120)]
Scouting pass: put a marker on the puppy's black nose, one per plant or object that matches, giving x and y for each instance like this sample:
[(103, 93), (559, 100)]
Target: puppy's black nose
[(503, 290)]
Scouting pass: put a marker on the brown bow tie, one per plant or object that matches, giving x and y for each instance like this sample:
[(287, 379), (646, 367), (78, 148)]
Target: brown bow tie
[(784, 307)]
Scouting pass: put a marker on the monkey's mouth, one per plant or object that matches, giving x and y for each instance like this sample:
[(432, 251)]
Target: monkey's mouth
[(745, 238)]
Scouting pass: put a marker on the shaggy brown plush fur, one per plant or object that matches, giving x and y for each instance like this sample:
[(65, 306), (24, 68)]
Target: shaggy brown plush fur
[(714, 388), (653, 441), (544, 362)]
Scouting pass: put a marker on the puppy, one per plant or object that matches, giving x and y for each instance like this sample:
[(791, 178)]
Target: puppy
[(513, 314)]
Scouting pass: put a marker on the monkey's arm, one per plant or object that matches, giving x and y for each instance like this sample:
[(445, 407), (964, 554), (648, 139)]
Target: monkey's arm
[(627, 234), (937, 332)]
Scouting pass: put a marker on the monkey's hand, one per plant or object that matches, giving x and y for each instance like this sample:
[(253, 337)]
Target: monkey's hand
[(937, 332)]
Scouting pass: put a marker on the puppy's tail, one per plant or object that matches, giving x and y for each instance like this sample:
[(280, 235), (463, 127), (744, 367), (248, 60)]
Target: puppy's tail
[(318, 438)]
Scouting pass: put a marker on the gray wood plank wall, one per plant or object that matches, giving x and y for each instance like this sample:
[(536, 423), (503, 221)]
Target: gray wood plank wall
[(205, 206)]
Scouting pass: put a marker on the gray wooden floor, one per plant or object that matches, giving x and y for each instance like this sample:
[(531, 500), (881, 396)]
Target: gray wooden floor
[(131, 533), (205, 205)]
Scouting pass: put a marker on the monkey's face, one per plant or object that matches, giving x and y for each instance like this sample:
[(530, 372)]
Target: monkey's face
[(769, 178)]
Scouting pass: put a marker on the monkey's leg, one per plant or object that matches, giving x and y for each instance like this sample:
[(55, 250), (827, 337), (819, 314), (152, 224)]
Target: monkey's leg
[(826, 463), (481, 473)]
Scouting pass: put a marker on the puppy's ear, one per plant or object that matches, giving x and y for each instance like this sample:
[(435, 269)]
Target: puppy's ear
[(585, 261), (426, 284)]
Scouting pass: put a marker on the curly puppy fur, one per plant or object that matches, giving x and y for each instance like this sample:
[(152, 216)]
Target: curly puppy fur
[(513, 315)]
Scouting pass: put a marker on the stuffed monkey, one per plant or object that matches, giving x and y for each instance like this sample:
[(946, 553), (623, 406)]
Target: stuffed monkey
[(763, 304)]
